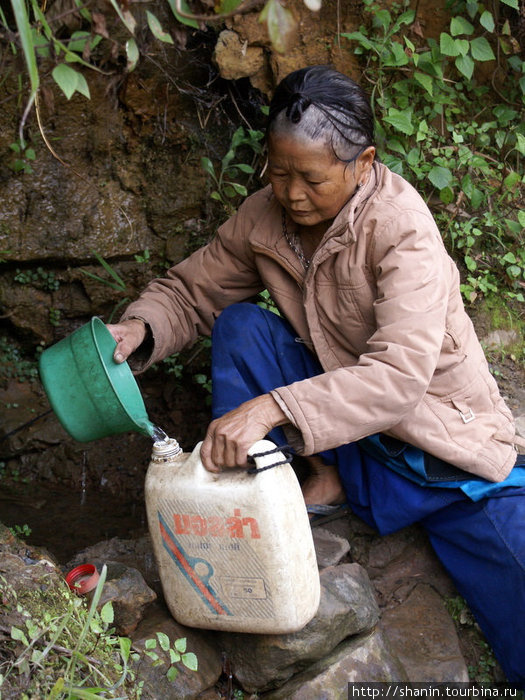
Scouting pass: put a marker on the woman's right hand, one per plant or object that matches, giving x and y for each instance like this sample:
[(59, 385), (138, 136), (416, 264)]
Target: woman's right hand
[(129, 335)]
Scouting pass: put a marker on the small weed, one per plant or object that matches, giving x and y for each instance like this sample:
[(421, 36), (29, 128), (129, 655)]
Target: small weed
[(483, 670), (54, 317), (39, 278), (144, 258), (21, 530), (175, 652), (116, 282), (13, 365), (228, 190), (25, 155)]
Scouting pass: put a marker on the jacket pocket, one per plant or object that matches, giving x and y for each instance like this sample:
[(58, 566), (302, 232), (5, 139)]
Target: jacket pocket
[(471, 415)]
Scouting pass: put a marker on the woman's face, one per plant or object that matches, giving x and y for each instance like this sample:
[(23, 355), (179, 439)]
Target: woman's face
[(308, 180)]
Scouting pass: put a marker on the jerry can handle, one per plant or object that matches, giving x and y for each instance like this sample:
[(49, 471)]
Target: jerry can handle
[(264, 454)]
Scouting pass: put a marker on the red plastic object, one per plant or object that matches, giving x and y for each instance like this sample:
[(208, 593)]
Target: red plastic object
[(83, 578)]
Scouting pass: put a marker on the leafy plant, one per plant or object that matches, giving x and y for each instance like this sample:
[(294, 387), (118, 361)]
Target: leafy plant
[(39, 278), (115, 282), (62, 649), (225, 178), (441, 128), (14, 365), (21, 530), (175, 652), (25, 154)]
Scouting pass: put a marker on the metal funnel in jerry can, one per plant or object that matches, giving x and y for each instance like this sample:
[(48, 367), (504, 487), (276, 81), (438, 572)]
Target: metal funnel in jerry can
[(92, 395), (234, 550)]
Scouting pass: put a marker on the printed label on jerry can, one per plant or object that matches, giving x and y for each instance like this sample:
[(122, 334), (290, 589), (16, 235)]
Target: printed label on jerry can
[(216, 555)]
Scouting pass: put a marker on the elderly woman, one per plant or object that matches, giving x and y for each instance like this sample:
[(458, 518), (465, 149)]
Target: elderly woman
[(372, 370)]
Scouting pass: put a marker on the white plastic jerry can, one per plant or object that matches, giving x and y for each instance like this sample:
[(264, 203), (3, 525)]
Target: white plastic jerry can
[(234, 550)]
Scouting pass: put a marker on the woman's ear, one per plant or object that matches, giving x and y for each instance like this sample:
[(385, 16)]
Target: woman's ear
[(364, 162)]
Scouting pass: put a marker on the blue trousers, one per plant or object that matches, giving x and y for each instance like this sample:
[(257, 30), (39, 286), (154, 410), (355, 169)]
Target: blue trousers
[(481, 544)]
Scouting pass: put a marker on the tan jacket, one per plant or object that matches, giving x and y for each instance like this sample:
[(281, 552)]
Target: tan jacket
[(380, 306)]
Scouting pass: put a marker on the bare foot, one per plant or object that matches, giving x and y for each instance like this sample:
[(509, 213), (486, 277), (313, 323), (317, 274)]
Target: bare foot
[(323, 485)]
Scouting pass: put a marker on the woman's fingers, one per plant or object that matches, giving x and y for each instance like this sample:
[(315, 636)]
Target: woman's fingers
[(229, 437), (129, 335)]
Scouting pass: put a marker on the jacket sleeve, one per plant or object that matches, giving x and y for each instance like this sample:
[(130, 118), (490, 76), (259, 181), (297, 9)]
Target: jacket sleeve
[(412, 272), (184, 304)]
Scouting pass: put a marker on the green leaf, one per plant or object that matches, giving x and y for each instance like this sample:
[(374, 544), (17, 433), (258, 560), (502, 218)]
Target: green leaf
[(514, 270), (382, 18), (106, 613), (240, 189), (26, 39), (465, 66), (172, 673), (185, 8), (82, 86), (397, 56), (227, 6), (512, 179), (19, 636), (440, 177), (174, 656), (66, 78), (424, 80), (132, 54), (156, 28), (447, 45), (361, 38), (521, 217), (190, 661), (207, 166), (481, 50), (511, 3), (446, 195), (413, 157), (78, 41), (510, 258), (125, 647), (180, 644), (470, 263), (487, 21), (150, 644), (404, 18), (164, 641), (460, 25), (245, 168), (400, 120)]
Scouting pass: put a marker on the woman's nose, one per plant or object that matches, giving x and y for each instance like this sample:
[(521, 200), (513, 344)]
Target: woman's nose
[(295, 191)]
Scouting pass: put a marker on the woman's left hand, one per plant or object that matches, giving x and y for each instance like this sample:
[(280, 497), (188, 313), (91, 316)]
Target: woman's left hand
[(229, 437)]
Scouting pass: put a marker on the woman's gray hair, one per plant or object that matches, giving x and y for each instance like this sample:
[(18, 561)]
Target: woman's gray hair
[(321, 103)]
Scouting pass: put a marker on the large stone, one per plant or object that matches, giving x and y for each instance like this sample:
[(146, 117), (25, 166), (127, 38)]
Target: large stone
[(363, 657), (126, 589), (235, 58), (187, 684), (347, 607), (424, 638)]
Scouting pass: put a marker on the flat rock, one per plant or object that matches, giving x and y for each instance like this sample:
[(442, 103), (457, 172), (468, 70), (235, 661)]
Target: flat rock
[(348, 607), (329, 548), (364, 657), (424, 638)]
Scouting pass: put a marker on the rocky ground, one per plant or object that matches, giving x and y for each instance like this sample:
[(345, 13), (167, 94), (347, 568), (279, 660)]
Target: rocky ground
[(85, 502)]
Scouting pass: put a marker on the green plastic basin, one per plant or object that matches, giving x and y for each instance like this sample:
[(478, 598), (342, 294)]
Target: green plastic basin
[(92, 395)]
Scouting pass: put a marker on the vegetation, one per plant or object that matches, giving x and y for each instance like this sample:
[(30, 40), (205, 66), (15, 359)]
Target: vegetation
[(445, 126), (63, 648)]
